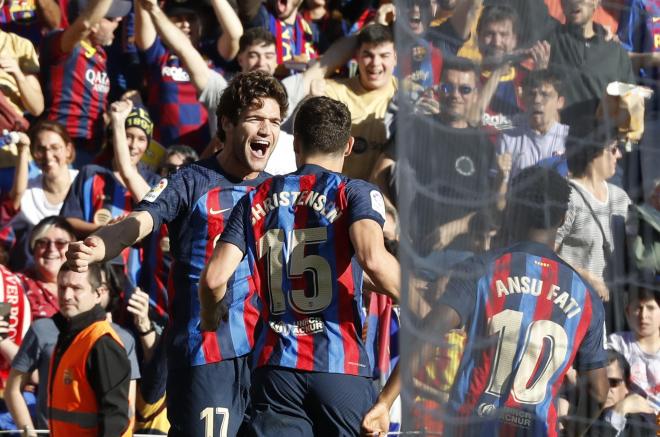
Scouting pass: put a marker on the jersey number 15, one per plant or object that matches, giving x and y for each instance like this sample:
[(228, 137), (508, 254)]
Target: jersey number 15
[(271, 244)]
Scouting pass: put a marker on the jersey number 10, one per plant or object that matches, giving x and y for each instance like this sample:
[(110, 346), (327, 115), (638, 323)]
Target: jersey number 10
[(271, 244), (506, 325)]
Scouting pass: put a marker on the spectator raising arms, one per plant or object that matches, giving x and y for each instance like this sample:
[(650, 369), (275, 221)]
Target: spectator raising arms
[(172, 96), (74, 73), (33, 199)]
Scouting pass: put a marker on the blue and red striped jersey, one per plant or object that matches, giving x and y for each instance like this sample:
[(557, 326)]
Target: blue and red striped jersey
[(294, 230), (75, 86), (506, 103), (21, 17), (195, 202), (290, 39), (528, 317), (179, 118), (96, 196)]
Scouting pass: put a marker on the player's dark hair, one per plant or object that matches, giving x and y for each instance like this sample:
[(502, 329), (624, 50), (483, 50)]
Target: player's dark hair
[(537, 200), (45, 224), (497, 14), (587, 141), (247, 90), (323, 126), (375, 34), (254, 36), (461, 64), (93, 274), (538, 78), (616, 357)]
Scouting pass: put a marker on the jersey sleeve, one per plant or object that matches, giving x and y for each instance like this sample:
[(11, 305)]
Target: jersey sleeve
[(461, 290), (365, 202), (631, 25), (591, 354), (235, 231), (166, 199), (73, 202), (152, 55)]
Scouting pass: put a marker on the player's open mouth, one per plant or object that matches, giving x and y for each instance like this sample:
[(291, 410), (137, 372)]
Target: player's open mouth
[(259, 148)]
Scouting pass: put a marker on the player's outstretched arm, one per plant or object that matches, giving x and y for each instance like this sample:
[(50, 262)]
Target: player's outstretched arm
[(377, 420), (213, 283), (109, 241), (383, 269)]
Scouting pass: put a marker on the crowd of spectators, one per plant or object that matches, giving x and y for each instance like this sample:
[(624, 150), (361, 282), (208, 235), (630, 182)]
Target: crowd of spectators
[(108, 96)]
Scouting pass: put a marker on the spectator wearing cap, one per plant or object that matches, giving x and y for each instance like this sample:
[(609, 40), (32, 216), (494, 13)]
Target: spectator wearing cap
[(294, 40), (74, 73), (172, 97), (102, 194)]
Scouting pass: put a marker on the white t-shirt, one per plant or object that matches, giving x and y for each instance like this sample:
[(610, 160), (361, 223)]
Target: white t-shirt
[(34, 205), (644, 368)]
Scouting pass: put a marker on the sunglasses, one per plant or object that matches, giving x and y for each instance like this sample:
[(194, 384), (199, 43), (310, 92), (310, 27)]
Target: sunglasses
[(616, 148), (44, 243), (614, 382), (448, 88)]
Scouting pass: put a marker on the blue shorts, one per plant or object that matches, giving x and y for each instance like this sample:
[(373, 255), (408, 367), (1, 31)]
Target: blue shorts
[(213, 395), (293, 403)]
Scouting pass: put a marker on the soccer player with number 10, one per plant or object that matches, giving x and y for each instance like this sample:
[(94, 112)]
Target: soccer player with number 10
[(528, 317)]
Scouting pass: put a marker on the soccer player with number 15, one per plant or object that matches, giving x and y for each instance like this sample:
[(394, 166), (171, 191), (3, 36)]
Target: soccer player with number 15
[(307, 236)]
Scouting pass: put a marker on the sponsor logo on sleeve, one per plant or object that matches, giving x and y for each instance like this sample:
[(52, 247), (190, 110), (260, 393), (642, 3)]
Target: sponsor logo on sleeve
[(155, 191), (378, 203)]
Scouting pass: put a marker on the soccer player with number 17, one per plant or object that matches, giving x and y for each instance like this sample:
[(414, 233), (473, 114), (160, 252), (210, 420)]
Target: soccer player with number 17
[(307, 237), (528, 316)]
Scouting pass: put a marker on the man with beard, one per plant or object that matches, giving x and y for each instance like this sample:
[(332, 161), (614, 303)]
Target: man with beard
[(586, 60), (208, 377), (74, 73)]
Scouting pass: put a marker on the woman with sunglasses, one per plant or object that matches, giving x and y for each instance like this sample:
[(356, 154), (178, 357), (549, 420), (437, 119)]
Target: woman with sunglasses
[(48, 243), (592, 236)]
